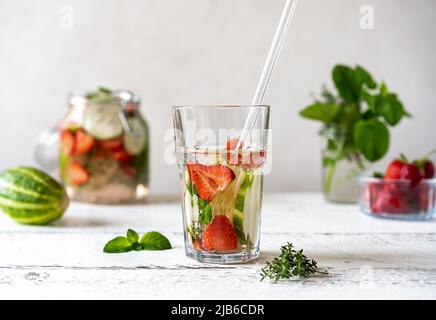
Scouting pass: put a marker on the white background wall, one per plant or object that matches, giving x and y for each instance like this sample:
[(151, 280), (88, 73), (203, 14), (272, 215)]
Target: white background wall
[(208, 52)]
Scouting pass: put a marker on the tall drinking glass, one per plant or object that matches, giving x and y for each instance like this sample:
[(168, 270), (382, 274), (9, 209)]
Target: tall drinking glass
[(221, 186)]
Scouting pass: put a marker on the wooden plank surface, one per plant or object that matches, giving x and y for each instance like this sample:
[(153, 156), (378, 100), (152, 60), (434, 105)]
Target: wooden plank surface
[(364, 257)]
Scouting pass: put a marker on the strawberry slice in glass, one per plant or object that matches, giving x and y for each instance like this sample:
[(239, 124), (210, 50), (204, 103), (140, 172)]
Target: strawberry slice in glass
[(209, 179)]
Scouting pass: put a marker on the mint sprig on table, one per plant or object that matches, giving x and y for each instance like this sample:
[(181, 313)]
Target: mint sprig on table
[(291, 263), (152, 240)]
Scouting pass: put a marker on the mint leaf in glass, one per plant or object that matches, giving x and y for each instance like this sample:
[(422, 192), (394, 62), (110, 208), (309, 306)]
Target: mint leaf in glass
[(205, 211)]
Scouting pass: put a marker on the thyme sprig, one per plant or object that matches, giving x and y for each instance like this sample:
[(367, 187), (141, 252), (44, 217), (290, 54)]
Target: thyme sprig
[(291, 263)]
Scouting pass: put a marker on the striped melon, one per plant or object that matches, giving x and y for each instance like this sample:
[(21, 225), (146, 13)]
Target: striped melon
[(30, 196)]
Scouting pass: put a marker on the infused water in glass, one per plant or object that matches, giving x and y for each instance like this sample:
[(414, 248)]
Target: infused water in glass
[(221, 181)]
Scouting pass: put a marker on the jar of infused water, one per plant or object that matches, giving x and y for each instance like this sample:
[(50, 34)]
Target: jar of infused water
[(104, 148)]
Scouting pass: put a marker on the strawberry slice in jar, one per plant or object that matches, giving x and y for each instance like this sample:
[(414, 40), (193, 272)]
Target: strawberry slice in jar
[(78, 174), (84, 142), (68, 142)]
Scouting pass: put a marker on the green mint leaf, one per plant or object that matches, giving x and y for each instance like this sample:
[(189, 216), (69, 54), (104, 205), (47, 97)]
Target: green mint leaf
[(365, 77), (137, 246), (154, 241), (205, 211), (324, 112), (390, 108), (192, 189), (372, 139), (345, 82), (132, 236), (370, 100), (118, 245), (207, 214), (348, 116)]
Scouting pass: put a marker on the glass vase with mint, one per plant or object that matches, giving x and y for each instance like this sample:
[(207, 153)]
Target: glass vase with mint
[(356, 118)]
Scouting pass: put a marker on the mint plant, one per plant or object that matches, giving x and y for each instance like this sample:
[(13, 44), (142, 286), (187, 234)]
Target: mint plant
[(358, 116)]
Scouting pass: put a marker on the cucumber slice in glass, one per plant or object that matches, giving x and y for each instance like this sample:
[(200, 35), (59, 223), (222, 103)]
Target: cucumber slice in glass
[(102, 120), (136, 139)]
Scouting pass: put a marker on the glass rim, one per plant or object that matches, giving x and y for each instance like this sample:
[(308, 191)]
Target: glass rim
[(223, 106), (127, 99), (364, 179)]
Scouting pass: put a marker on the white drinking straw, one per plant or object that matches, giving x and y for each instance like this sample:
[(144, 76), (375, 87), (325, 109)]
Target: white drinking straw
[(273, 54)]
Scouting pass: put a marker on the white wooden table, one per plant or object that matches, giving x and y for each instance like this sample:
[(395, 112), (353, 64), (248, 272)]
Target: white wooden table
[(366, 257)]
